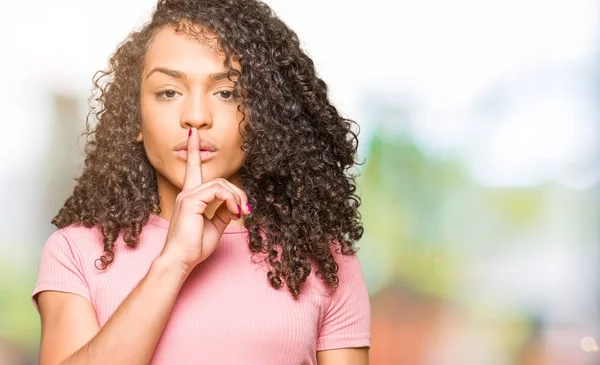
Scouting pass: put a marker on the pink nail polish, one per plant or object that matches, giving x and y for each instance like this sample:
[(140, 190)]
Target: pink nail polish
[(248, 207), (190, 133), (239, 209)]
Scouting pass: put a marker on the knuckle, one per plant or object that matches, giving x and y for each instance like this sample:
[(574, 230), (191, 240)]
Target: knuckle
[(229, 194), (216, 187)]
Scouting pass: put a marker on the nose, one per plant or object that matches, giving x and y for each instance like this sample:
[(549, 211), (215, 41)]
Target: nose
[(196, 113)]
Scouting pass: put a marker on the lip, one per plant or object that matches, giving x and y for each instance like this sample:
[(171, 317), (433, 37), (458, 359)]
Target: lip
[(207, 149), (204, 155), (205, 145)]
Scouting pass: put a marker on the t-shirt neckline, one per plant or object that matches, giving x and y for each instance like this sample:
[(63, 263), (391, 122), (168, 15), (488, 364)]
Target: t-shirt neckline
[(159, 221)]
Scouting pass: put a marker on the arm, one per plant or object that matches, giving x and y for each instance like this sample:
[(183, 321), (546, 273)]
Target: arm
[(349, 356), (130, 335)]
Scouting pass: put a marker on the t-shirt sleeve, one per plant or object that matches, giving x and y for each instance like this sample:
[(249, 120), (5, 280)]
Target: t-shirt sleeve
[(347, 316), (60, 269)]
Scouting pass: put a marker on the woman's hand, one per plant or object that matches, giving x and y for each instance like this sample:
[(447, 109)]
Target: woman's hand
[(192, 236)]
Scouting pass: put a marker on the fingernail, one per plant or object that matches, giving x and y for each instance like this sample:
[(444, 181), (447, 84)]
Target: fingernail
[(248, 207), (239, 215), (190, 133), (239, 209)]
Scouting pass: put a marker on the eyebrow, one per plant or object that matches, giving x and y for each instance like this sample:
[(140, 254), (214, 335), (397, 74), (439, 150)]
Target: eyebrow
[(182, 76)]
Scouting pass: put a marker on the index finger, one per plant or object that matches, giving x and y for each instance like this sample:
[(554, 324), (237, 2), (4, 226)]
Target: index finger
[(193, 171)]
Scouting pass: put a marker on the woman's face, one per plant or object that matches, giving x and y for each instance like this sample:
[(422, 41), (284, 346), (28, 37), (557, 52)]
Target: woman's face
[(185, 85)]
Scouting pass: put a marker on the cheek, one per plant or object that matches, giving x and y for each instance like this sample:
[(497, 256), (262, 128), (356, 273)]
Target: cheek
[(153, 153), (238, 129), (232, 160), (235, 141), (230, 132), (156, 136)]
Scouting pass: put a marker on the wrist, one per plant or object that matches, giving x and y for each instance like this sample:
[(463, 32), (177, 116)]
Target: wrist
[(165, 265)]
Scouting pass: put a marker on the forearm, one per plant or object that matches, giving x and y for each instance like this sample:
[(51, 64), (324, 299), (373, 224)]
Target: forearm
[(131, 334)]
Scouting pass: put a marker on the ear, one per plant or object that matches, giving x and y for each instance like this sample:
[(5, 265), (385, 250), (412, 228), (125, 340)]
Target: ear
[(139, 138)]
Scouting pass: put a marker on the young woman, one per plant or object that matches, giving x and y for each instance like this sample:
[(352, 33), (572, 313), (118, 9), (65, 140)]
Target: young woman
[(215, 219)]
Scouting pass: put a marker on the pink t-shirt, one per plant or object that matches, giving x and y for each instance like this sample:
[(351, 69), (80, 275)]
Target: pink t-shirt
[(226, 311)]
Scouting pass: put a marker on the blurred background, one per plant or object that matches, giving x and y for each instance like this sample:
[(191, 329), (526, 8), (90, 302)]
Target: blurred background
[(480, 135)]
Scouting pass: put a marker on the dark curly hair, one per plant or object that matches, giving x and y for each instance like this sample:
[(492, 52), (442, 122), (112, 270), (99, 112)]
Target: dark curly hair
[(299, 150)]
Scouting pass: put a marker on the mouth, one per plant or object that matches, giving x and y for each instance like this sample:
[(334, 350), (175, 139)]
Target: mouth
[(204, 154), (204, 146), (207, 150)]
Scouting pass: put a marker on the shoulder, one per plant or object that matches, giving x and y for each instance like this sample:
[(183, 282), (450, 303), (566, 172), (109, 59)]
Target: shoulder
[(350, 274), (349, 271), (67, 260), (349, 268), (73, 239), (90, 240)]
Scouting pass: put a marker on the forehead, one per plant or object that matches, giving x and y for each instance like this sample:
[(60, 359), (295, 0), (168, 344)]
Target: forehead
[(193, 55)]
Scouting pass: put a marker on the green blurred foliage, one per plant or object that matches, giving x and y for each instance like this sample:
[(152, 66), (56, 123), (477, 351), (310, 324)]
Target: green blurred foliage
[(403, 193), (424, 216), (19, 321)]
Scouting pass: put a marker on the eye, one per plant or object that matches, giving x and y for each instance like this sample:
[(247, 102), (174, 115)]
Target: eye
[(225, 94), (166, 94)]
